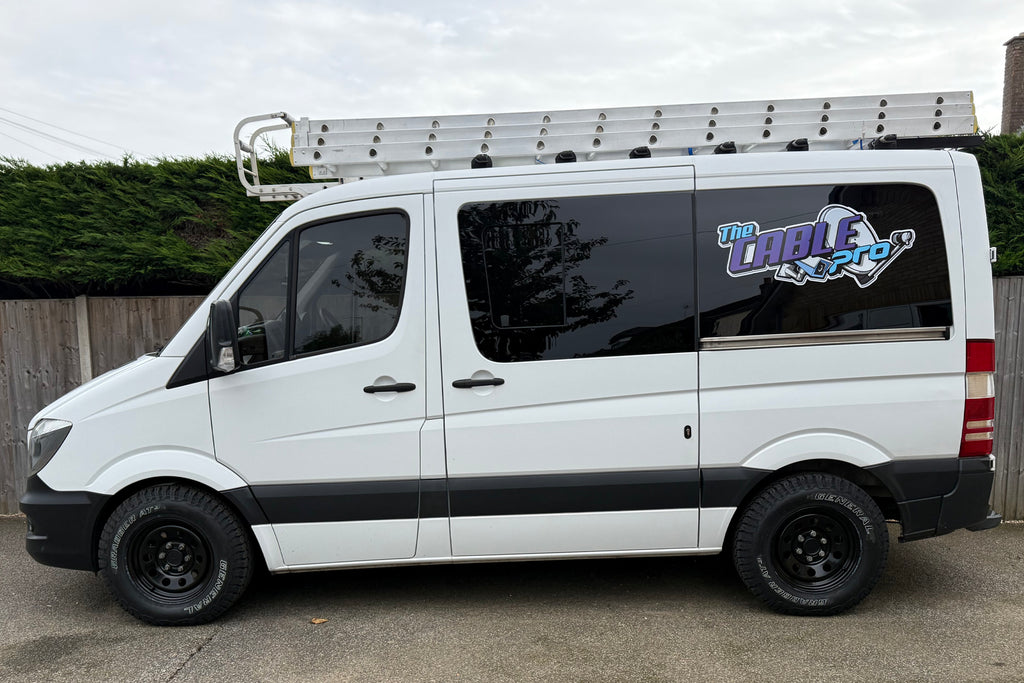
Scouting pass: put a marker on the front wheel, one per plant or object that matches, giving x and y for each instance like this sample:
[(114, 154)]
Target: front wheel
[(811, 544), (174, 555)]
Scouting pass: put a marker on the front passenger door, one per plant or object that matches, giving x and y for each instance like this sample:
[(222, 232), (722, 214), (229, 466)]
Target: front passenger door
[(323, 417)]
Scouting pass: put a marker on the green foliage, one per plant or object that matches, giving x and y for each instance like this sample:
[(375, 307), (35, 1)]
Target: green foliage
[(1001, 159), (176, 225)]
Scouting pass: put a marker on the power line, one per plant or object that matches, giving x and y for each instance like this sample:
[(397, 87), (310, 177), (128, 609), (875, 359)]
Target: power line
[(54, 138), (66, 130), (22, 142)]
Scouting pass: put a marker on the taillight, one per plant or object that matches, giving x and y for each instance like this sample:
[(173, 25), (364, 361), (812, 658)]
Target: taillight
[(980, 406)]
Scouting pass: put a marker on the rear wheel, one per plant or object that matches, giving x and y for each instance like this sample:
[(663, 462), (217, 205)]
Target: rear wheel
[(175, 555), (811, 544)]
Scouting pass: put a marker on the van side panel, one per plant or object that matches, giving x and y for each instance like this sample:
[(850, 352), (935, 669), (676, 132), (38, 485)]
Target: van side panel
[(830, 402), (129, 431), (863, 401), (974, 243)]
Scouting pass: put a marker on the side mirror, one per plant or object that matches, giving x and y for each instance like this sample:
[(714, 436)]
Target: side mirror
[(222, 335)]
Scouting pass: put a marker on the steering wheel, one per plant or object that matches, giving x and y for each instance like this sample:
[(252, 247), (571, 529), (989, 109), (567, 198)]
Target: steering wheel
[(258, 314)]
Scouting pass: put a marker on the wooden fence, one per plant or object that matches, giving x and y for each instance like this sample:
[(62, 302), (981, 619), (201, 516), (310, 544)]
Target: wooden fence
[(48, 346), (1008, 489)]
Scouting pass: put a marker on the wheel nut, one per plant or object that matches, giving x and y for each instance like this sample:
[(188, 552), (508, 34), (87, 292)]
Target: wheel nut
[(814, 534), (800, 538), (821, 553), (181, 546), (823, 540), (167, 567), (798, 551), (187, 558), (162, 556)]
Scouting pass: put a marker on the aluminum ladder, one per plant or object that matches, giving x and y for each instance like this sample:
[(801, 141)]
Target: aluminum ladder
[(343, 150)]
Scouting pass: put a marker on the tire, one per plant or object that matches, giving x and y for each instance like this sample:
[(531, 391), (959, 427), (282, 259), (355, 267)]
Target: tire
[(157, 527), (811, 544)]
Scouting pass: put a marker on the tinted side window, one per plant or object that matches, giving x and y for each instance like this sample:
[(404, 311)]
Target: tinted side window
[(350, 278), (579, 276), (820, 258), (262, 310)]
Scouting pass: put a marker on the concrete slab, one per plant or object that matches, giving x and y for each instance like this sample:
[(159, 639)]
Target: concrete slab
[(950, 608)]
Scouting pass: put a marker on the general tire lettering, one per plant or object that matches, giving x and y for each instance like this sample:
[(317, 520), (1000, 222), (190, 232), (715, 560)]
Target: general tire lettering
[(174, 554), (811, 544)]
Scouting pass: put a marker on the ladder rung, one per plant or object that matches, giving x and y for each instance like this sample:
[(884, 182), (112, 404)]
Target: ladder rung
[(303, 138), (354, 148), (824, 105), (366, 159)]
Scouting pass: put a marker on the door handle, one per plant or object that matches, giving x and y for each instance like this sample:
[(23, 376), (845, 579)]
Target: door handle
[(399, 387), (470, 383)]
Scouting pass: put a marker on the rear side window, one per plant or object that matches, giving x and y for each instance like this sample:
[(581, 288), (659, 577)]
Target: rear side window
[(791, 260), (578, 277)]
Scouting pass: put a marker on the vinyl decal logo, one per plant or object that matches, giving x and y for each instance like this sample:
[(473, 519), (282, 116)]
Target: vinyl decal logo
[(841, 242)]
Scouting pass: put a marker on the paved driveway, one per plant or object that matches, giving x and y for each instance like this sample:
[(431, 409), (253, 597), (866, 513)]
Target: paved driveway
[(949, 609)]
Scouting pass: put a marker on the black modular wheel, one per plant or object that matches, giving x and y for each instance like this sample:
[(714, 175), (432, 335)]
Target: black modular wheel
[(173, 555), (811, 544)]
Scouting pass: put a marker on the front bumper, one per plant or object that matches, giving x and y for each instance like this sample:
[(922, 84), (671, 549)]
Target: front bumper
[(936, 497), (60, 525)]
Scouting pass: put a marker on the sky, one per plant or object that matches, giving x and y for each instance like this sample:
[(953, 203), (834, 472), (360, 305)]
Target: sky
[(154, 80)]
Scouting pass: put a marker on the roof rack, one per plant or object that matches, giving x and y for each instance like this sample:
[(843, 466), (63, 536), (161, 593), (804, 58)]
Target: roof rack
[(342, 150), (248, 163)]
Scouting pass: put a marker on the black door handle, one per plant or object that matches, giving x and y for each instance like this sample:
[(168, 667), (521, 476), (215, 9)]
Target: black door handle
[(399, 387), (470, 383)]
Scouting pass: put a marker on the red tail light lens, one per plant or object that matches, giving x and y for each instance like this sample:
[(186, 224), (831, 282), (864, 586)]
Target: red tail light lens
[(980, 404), (981, 355)]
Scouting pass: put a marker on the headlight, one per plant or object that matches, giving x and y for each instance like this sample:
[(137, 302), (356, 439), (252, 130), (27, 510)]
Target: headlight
[(43, 442)]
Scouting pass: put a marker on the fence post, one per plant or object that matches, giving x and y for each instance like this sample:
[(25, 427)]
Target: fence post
[(84, 338)]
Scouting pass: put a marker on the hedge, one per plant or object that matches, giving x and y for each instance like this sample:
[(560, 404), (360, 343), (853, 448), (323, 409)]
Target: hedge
[(177, 225), (172, 226), (1001, 159)]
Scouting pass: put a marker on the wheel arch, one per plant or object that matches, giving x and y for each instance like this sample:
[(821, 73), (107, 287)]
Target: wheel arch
[(239, 501), (813, 543), (860, 476)]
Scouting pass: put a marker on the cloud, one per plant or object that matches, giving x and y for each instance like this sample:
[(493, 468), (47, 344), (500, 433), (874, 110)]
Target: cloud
[(169, 82)]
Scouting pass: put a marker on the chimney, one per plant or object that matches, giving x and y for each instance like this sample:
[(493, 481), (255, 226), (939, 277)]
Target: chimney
[(1013, 86)]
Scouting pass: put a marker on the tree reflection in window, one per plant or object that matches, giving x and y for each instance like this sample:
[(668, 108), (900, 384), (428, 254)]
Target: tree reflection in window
[(351, 275), (573, 277)]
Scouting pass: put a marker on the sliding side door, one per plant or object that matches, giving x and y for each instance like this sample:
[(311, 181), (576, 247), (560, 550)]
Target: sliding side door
[(569, 364)]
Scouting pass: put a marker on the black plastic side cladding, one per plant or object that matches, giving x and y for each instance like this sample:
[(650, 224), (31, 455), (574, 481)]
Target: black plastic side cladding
[(433, 498), (938, 495), (934, 495), (726, 487), (967, 504), (245, 502), (916, 479), (339, 501)]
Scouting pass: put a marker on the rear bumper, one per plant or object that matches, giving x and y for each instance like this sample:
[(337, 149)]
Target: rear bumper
[(936, 497), (60, 525), (993, 520)]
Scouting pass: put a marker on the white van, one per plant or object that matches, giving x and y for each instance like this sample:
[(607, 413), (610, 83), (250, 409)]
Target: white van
[(770, 354)]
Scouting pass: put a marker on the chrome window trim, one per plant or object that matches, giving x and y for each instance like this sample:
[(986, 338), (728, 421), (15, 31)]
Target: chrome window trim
[(766, 341)]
